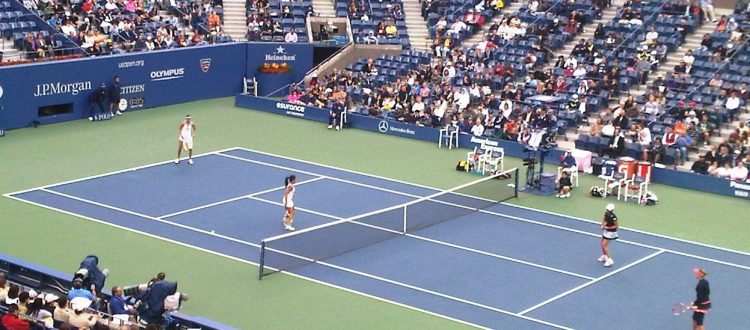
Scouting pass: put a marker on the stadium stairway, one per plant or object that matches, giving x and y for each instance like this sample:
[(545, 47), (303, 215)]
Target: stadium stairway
[(511, 9), (692, 41), (10, 53), (324, 8), (419, 36), (235, 17)]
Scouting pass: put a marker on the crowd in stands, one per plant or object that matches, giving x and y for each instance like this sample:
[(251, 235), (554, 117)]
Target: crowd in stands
[(83, 307), (676, 116), (471, 89), (375, 22), (120, 26), (278, 21)]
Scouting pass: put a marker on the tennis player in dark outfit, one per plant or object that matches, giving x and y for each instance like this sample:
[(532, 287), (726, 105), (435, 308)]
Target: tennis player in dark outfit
[(702, 303), (609, 233)]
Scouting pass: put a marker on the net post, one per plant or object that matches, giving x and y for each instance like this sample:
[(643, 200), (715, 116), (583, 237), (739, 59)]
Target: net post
[(515, 188), (261, 261), (405, 224)]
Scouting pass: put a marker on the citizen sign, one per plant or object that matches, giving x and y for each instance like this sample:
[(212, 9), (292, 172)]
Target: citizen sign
[(168, 74), (62, 88), (291, 109), (281, 56), (132, 89)]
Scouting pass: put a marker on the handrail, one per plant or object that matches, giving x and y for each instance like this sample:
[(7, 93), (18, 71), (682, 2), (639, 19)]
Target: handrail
[(290, 85)]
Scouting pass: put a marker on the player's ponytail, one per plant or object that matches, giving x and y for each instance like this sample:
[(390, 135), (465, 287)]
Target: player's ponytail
[(289, 179)]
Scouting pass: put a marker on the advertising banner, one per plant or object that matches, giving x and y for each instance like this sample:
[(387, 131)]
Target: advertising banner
[(276, 65), (28, 92)]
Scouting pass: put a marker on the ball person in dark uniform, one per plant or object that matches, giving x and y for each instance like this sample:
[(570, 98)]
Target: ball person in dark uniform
[(114, 97), (702, 303), (609, 233)]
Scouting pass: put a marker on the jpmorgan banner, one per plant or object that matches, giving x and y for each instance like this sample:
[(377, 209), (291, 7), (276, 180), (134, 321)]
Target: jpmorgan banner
[(146, 80)]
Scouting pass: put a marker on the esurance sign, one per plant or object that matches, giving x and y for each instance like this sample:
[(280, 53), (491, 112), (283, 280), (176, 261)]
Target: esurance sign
[(291, 109)]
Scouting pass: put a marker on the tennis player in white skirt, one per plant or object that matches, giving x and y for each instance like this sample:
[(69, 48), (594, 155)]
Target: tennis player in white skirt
[(185, 140), (288, 202), (609, 233)]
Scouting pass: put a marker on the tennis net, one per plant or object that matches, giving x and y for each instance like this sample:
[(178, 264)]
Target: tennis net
[(332, 239)]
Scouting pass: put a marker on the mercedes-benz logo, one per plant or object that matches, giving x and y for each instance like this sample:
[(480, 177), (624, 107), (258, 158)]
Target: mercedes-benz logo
[(383, 126)]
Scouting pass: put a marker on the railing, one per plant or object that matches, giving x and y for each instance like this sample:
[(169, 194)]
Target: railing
[(315, 68)]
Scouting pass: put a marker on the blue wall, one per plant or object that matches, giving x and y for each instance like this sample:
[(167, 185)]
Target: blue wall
[(686, 180), (156, 79), (148, 79), (298, 57)]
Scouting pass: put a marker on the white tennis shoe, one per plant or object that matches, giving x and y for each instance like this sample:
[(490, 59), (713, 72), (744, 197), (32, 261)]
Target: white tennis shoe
[(609, 262), (289, 228), (603, 258), (177, 161), (190, 161)]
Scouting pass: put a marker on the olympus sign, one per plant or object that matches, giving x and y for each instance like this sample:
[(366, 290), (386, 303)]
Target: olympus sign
[(61, 88), (168, 74)]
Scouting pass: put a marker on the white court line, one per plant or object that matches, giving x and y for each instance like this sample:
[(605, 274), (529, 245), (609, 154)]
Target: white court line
[(512, 205), (217, 152), (416, 185), (439, 242), (500, 257), (296, 207), (360, 293), (148, 217), (234, 199), (416, 288), (598, 279), (324, 176), (619, 240)]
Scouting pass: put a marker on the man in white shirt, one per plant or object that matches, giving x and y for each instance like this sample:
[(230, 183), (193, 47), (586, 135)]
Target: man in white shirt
[(462, 100), (689, 58), (457, 27), (418, 104), (580, 72), (733, 102), (478, 128), (291, 36), (651, 36)]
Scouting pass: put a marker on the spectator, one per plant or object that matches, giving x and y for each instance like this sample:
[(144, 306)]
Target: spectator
[(12, 321), (23, 302), (4, 286), (37, 312), (291, 36), (724, 171), (700, 166), (684, 141), (62, 310), (80, 318), (655, 152), (477, 129), (739, 172), (708, 10)]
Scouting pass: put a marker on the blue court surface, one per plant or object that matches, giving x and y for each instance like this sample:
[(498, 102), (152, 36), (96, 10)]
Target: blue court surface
[(505, 267)]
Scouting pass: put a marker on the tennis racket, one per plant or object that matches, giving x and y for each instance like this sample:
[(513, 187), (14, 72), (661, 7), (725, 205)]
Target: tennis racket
[(681, 308)]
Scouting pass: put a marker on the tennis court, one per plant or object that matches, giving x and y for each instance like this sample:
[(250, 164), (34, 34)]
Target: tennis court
[(500, 267)]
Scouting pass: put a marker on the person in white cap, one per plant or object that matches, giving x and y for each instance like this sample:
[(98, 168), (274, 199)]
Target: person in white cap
[(609, 233), (80, 318), (185, 140)]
